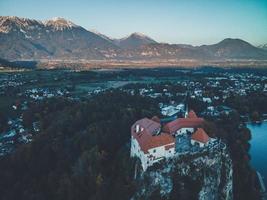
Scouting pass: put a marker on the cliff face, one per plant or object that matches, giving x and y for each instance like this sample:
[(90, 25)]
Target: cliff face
[(204, 175)]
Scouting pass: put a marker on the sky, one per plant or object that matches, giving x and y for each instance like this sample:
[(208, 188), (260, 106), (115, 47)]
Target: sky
[(193, 22)]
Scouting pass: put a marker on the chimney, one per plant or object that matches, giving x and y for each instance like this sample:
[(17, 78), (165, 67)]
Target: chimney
[(137, 128)]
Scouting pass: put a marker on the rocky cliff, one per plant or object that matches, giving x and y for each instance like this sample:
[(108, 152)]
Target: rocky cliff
[(204, 175)]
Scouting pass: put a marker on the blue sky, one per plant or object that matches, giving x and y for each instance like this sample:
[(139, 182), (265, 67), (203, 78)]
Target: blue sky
[(174, 21)]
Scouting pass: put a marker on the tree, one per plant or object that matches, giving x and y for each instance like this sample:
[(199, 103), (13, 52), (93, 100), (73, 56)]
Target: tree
[(255, 116)]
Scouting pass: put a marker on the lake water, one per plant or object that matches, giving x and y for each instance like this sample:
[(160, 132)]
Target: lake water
[(258, 150)]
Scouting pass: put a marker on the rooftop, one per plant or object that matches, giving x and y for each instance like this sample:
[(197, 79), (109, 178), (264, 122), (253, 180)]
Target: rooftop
[(144, 132), (183, 123), (200, 135)]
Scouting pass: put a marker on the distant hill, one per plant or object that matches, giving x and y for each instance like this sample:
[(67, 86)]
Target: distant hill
[(235, 49), (61, 39), (134, 40)]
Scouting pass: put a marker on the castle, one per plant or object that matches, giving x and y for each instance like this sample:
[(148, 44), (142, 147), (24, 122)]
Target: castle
[(152, 141)]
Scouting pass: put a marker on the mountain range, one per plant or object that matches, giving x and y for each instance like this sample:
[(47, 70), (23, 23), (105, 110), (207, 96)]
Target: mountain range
[(60, 39)]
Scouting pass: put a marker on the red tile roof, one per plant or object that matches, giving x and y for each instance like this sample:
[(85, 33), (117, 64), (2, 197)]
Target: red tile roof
[(156, 119), (148, 124), (148, 128), (146, 139), (167, 147), (192, 114), (200, 135), (177, 124)]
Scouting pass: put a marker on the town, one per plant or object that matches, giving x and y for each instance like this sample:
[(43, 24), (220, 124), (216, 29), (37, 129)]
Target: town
[(212, 94)]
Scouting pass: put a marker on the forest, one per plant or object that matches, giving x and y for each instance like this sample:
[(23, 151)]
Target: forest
[(82, 151)]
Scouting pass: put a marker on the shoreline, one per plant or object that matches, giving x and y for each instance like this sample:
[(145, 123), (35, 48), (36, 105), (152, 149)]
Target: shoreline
[(260, 177), (262, 185)]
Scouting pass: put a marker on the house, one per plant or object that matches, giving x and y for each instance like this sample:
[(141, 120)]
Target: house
[(200, 138), (169, 110), (206, 100), (224, 110), (149, 144), (36, 126), (211, 108), (180, 107)]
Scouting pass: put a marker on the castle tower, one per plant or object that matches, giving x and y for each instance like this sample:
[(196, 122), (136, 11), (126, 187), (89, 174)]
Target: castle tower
[(186, 111)]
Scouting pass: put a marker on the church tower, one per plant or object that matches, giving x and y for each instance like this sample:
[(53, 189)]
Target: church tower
[(186, 111)]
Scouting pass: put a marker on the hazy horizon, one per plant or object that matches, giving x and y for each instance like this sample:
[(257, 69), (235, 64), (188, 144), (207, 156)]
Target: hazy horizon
[(180, 22)]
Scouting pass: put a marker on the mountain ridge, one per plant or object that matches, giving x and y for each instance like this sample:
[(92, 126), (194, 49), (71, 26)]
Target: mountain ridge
[(134, 40), (58, 38)]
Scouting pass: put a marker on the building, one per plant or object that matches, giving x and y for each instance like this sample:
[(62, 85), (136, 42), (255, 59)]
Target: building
[(172, 109), (149, 144), (169, 110), (152, 141), (206, 100), (185, 125), (200, 137)]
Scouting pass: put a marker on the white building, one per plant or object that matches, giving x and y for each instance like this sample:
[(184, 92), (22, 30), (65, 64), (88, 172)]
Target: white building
[(180, 107), (169, 110), (206, 100), (148, 144)]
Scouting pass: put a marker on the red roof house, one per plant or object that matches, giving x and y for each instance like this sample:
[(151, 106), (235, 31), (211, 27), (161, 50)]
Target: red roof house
[(200, 136), (144, 132)]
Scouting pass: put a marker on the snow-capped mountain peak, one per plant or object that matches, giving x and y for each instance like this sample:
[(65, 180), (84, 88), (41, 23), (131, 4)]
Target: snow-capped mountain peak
[(12, 23), (59, 23), (137, 34)]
